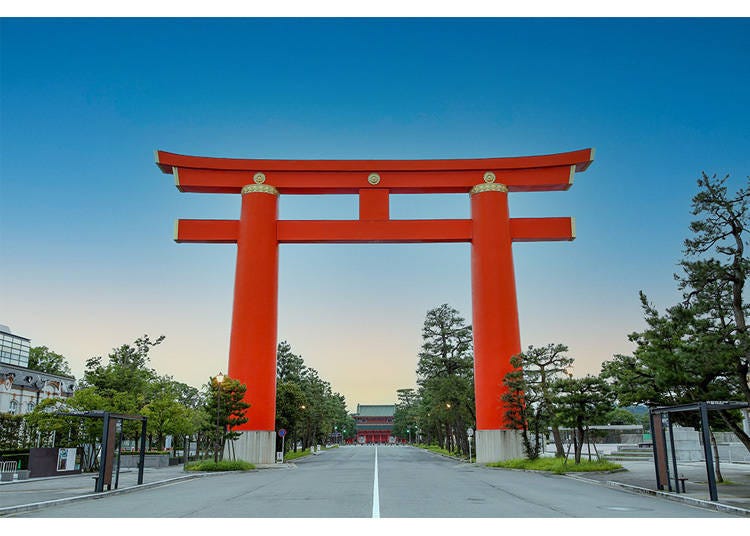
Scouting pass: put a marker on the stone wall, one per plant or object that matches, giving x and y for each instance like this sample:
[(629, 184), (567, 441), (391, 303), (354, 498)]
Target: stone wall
[(150, 460), (689, 447)]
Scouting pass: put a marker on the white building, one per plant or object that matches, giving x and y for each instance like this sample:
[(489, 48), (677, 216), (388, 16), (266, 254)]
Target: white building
[(22, 388)]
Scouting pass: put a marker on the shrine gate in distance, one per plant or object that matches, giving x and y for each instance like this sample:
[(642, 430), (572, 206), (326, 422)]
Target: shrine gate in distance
[(258, 233)]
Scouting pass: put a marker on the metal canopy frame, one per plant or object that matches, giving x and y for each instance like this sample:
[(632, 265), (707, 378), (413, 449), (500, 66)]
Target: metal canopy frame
[(703, 408), (107, 418)]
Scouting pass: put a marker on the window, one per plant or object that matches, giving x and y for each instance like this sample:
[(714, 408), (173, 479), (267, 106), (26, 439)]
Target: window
[(13, 408), (30, 407)]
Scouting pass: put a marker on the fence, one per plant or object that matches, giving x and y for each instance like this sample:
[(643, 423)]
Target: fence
[(9, 466), (8, 470)]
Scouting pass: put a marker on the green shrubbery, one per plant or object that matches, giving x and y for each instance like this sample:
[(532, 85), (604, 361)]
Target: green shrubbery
[(224, 465), (441, 450), (557, 465), (294, 455)]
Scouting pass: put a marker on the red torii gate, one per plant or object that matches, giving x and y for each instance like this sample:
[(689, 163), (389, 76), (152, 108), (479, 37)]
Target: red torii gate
[(258, 233)]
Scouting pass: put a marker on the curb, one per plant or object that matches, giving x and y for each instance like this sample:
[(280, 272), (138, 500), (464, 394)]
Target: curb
[(710, 505), (699, 503), (22, 508)]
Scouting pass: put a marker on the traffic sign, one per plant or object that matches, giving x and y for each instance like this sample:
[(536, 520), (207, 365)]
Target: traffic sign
[(282, 432), (469, 431)]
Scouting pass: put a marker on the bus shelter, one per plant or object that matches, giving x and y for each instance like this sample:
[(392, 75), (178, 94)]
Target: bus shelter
[(111, 440), (661, 422)]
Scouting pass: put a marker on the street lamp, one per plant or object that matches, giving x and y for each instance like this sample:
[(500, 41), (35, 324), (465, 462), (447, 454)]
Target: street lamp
[(408, 431), (219, 380)]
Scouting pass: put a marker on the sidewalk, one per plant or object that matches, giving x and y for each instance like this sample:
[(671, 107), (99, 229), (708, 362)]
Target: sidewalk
[(641, 474), (35, 490), (30, 494)]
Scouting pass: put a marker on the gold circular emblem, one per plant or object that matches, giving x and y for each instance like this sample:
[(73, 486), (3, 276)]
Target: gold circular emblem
[(259, 178), (489, 177), (373, 179)]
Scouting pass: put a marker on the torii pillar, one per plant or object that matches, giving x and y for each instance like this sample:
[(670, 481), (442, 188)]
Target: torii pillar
[(258, 233), (494, 319), (255, 318)]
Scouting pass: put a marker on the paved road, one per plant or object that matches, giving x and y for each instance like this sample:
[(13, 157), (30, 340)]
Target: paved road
[(344, 483)]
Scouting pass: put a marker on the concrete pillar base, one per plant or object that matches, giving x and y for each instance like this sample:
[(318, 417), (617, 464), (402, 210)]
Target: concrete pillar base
[(254, 447), (498, 445)]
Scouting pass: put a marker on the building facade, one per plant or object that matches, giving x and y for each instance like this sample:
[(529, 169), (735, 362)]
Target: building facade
[(374, 424), (22, 388), (14, 350)]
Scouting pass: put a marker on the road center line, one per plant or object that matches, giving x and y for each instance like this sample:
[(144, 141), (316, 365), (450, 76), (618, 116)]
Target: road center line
[(375, 492)]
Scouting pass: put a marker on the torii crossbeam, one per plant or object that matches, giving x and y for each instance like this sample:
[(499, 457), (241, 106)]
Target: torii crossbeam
[(258, 233)]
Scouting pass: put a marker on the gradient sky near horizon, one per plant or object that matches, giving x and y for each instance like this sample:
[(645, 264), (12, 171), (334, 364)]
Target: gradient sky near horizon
[(87, 260)]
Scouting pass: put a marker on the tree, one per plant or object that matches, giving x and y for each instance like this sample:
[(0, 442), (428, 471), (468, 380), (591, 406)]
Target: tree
[(124, 381), (620, 416), (530, 397), (406, 415), (225, 404), (445, 375), (45, 360), (289, 402), (289, 366), (446, 346), (678, 359), (582, 402), (698, 350), (69, 431), (714, 285), (167, 414), (305, 404)]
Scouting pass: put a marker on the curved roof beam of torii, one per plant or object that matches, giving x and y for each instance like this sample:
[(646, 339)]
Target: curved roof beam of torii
[(519, 174)]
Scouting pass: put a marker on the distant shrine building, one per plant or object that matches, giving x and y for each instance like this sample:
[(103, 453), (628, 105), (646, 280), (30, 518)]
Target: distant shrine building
[(374, 424)]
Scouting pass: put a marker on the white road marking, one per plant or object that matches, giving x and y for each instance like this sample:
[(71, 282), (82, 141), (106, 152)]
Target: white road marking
[(375, 492)]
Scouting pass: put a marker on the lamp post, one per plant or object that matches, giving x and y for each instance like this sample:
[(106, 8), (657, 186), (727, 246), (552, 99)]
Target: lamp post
[(219, 380), (450, 429), (408, 431)]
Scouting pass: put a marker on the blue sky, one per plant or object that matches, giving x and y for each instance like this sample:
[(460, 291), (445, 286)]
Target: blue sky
[(88, 260)]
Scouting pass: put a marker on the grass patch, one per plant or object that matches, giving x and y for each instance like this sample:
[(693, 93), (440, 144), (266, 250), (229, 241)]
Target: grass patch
[(441, 450), (224, 465), (557, 465), (294, 455)]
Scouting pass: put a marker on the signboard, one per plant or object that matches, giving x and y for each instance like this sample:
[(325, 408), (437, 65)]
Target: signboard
[(282, 432), (67, 460)]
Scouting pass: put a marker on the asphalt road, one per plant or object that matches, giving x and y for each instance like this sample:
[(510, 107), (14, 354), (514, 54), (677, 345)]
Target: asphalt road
[(364, 482)]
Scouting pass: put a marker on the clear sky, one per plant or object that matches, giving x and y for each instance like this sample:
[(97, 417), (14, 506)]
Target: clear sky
[(87, 260)]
